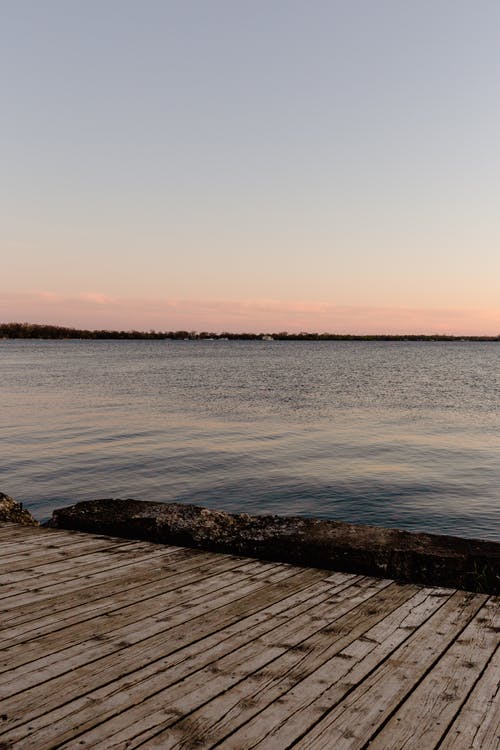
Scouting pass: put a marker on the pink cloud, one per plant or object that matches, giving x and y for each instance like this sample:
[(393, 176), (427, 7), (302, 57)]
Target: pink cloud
[(97, 298), (98, 310)]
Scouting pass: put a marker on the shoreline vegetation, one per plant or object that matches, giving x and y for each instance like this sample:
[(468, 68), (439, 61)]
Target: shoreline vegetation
[(48, 331)]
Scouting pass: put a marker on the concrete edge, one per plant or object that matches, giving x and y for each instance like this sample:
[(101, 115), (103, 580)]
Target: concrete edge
[(429, 559)]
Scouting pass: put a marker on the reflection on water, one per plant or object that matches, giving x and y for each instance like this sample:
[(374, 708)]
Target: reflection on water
[(391, 433)]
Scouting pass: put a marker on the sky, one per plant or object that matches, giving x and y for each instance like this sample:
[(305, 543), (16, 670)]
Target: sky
[(251, 165)]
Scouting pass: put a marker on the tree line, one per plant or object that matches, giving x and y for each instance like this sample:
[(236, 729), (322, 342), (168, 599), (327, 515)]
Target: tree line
[(47, 331)]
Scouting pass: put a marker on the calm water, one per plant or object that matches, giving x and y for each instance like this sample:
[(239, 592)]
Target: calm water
[(396, 434)]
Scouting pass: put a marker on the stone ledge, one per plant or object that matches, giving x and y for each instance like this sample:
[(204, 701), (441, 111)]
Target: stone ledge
[(428, 559), (12, 512)]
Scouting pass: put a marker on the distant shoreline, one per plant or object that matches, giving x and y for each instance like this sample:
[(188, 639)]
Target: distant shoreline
[(47, 331)]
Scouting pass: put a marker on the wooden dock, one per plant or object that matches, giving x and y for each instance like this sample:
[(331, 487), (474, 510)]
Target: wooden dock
[(115, 644)]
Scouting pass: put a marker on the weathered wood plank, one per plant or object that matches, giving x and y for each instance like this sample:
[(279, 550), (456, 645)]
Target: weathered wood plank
[(180, 648), (477, 726), (35, 559), (99, 557), (119, 695), (42, 535), (26, 545), (355, 720), (153, 587), (134, 631), (49, 537), (276, 658), (18, 580), (422, 719), (135, 615), (48, 543), (28, 617), (42, 586), (16, 531), (79, 676), (280, 722), (65, 596), (18, 534)]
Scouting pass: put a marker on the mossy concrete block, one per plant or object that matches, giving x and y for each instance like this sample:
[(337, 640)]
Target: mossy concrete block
[(428, 559)]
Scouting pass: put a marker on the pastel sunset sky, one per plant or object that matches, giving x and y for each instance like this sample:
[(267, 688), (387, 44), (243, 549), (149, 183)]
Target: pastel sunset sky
[(251, 165)]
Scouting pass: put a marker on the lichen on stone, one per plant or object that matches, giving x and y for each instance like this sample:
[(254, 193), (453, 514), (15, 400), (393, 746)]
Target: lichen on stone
[(13, 512)]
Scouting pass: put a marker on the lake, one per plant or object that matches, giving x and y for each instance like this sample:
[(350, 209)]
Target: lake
[(400, 434)]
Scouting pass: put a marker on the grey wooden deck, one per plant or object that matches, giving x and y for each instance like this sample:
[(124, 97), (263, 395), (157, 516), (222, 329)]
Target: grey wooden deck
[(108, 643)]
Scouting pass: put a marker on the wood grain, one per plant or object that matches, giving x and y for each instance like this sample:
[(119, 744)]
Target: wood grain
[(114, 644)]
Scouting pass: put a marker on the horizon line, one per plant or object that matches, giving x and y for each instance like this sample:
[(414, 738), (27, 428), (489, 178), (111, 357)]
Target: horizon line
[(29, 328)]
